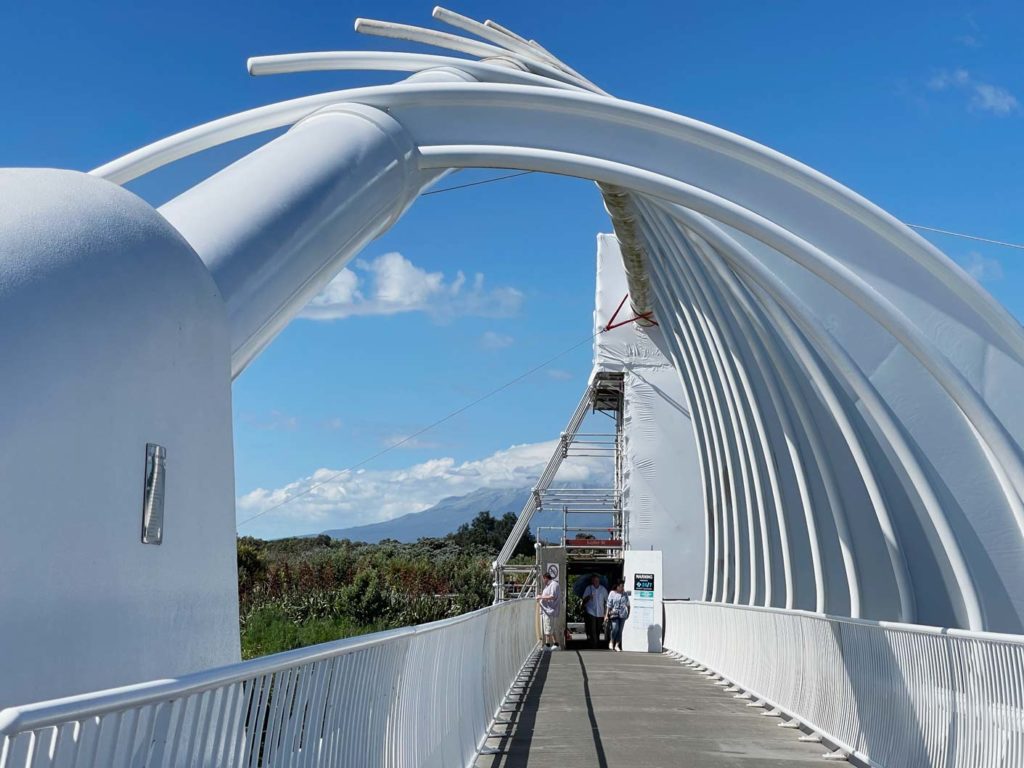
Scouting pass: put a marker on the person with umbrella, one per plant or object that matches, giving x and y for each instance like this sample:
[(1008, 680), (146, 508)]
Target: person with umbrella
[(594, 598)]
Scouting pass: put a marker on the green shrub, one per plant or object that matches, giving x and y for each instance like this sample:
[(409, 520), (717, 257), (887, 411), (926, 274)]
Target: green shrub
[(300, 591), (270, 630)]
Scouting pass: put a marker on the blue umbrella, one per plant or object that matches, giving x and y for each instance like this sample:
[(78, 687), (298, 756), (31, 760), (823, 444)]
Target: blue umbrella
[(582, 582)]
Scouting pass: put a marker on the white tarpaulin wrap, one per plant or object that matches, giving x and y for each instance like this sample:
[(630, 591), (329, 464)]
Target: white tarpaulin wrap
[(662, 503)]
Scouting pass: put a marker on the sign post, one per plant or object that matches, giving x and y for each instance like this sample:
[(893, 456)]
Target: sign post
[(643, 629)]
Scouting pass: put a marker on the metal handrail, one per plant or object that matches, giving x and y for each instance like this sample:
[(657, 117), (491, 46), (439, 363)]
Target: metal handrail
[(267, 711), (886, 693), (924, 629)]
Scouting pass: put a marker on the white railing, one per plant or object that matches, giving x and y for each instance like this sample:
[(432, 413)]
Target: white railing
[(418, 696), (894, 695)]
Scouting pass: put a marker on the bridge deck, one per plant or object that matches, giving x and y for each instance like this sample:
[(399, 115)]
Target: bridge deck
[(598, 709)]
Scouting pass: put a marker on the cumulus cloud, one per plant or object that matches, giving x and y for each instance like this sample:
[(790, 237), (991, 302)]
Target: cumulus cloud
[(984, 97), (983, 268), (370, 496), (391, 284), (492, 340)]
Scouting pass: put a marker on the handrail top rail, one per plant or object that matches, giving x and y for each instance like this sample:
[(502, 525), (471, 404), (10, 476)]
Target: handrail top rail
[(923, 629), (42, 714)]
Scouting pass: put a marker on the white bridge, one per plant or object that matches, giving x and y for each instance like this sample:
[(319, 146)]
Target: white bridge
[(820, 442)]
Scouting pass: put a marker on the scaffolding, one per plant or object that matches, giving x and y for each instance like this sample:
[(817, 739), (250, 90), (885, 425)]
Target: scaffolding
[(592, 527)]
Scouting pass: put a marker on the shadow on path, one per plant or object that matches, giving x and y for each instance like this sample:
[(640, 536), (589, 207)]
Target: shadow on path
[(521, 718), (602, 762)]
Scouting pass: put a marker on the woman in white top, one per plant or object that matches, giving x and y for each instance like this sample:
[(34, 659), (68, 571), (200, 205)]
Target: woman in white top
[(616, 613)]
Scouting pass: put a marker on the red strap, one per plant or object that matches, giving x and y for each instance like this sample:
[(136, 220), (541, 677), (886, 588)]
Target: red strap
[(644, 316)]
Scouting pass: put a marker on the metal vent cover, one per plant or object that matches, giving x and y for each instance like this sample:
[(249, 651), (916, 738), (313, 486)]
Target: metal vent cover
[(153, 494)]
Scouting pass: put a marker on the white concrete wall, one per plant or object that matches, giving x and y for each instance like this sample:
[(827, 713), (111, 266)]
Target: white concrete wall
[(112, 335)]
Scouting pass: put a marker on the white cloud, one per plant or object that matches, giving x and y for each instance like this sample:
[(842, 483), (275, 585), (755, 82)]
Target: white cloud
[(369, 496), (558, 374), (982, 268), (992, 98), (407, 442), (984, 97), (492, 340), (391, 284)]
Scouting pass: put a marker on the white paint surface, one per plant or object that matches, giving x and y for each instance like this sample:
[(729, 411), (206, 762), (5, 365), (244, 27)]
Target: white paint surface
[(643, 630), (662, 493), (112, 335)]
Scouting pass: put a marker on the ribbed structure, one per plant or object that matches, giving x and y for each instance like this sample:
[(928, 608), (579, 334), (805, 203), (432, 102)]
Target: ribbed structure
[(855, 395)]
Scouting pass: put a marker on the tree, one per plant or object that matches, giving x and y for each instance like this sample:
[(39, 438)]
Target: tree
[(489, 534), (366, 599), (252, 566)]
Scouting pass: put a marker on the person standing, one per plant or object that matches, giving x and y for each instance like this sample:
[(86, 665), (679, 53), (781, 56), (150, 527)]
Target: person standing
[(616, 613), (594, 598), (550, 599)]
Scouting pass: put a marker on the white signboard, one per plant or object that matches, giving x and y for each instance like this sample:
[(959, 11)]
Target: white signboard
[(642, 572)]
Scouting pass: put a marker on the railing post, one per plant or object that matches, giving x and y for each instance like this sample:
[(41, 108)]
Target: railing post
[(875, 692)]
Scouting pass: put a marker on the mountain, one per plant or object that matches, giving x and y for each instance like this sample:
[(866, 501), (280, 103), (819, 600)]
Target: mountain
[(441, 519)]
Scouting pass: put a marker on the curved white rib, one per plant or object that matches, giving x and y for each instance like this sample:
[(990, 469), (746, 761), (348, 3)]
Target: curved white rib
[(848, 372), (835, 499), (717, 310), (731, 425), (806, 254), (731, 421), (695, 345), (627, 116), (838, 411), (505, 30), (705, 459), (503, 40), (720, 354), (462, 45), (701, 405), (750, 329), (810, 430), (383, 61), (767, 454)]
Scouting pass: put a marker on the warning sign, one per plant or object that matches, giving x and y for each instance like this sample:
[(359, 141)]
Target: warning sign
[(643, 586)]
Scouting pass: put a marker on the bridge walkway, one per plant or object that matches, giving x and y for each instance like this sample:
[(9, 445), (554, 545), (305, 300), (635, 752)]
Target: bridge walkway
[(599, 709)]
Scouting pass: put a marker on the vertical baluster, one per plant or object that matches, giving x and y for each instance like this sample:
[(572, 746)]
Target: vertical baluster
[(262, 713)]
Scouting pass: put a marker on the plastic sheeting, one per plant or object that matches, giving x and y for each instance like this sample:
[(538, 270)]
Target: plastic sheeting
[(661, 481)]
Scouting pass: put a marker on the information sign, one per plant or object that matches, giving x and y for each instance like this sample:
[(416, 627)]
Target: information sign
[(643, 586)]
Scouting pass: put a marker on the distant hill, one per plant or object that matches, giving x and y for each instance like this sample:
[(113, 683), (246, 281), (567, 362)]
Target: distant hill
[(441, 519)]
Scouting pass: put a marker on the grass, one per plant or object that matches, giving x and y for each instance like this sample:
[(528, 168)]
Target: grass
[(269, 630)]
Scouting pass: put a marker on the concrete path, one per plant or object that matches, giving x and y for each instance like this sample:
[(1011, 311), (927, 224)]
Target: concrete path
[(598, 709)]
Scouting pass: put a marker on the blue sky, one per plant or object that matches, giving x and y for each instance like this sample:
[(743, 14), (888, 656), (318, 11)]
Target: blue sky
[(913, 105)]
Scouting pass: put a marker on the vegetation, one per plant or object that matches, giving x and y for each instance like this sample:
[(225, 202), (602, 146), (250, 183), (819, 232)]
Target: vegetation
[(300, 591)]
